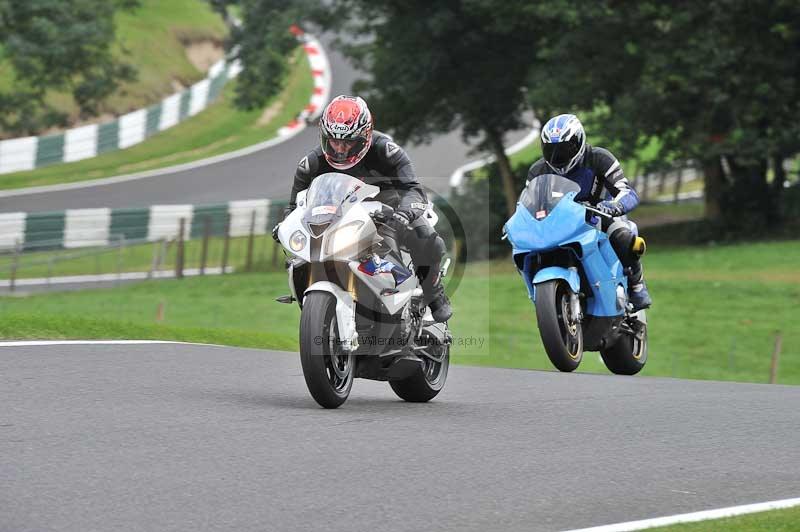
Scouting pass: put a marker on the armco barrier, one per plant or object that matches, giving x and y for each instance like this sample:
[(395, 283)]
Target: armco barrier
[(77, 228)]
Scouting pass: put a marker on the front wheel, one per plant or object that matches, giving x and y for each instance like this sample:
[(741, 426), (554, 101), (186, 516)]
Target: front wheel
[(328, 370), (560, 330), (425, 384), (628, 355)]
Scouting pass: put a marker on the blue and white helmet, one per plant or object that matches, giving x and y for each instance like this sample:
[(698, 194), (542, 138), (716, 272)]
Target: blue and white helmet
[(563, 143)]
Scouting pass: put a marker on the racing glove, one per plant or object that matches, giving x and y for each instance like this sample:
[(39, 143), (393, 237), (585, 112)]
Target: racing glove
[(610, 208), (399, 221)]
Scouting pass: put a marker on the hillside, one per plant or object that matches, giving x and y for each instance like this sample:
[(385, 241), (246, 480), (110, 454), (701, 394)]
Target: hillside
[(171, 43)]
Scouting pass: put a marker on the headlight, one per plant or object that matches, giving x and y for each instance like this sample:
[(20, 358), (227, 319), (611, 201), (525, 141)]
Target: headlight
[(298, 241), (343, 238)]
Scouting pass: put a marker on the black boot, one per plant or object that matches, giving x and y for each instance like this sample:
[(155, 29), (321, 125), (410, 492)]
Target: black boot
[(439, 304), (638, 295), (434, 296)]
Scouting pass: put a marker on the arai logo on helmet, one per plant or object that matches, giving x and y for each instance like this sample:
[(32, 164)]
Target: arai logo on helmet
[(339, 127)]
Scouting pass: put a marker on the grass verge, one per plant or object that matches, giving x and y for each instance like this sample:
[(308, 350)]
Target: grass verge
[(219, 129), (716, 314), (773, 521)]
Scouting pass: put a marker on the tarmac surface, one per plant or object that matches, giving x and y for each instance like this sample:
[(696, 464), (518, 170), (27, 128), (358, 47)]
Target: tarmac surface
[(188, 437)]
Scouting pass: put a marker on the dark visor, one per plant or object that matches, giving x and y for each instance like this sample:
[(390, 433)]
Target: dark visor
[(340, 150), (559, 154)]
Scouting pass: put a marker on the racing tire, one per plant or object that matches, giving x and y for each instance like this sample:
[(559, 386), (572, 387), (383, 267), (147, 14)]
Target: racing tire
[(327, 369), (628, 355), (562, 338), (426, 383)]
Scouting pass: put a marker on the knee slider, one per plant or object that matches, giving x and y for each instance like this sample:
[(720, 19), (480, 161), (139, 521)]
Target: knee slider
[(623, 241), (639, 246)]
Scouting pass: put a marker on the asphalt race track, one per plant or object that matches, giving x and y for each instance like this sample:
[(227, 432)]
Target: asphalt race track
[(264, 174), (186, 437)]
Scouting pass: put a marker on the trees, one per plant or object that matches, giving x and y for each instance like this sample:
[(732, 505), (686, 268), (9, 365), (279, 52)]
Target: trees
[(716, 82), (262, 43), (430, 66), (57, 45), (435, 66)]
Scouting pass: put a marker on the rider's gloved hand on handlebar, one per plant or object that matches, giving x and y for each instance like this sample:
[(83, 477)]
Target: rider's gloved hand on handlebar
[(399, 221), (275, 233), (611, 208)]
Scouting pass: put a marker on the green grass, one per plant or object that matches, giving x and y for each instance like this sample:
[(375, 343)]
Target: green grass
[(774, 521), (22, 325), (152, 39), (234, 310), (716, 313), (219, 129), (527, 155)]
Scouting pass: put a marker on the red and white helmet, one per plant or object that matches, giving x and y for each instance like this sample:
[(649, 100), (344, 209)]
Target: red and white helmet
[(345, 131)]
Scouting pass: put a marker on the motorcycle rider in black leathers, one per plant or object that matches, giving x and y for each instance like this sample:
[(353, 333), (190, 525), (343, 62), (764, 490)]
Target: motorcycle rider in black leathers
[(349, 145), (603, 185)]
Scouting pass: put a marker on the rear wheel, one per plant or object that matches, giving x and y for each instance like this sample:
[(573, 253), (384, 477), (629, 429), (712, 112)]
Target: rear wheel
[(328, 370), (628, 355), (560, 330), (425, 384)]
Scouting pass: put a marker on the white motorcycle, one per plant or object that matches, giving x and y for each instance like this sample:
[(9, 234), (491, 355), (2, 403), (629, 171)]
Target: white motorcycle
[(362, 312)]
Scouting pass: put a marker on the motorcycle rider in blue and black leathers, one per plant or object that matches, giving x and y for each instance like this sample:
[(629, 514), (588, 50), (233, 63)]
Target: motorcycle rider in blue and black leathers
[(603, 185)]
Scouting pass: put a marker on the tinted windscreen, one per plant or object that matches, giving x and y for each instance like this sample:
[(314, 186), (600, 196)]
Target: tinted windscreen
[(325, 197), (544, 192)]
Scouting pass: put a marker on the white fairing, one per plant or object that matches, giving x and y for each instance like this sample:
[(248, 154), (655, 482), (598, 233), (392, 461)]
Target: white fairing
[(352, 212), (345, 237), (345, 313)]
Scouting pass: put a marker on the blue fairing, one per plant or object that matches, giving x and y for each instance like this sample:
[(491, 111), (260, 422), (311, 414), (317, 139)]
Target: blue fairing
[(556, 272), (564, 226)]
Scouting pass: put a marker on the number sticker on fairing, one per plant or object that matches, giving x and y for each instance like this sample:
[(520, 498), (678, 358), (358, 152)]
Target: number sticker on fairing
[(323, 209)]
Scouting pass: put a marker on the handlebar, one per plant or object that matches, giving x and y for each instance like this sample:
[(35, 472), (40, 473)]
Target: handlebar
[(592, 209), (383, 215)]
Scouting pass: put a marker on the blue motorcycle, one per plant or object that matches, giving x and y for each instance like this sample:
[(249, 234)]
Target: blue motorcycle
[(575, 279)]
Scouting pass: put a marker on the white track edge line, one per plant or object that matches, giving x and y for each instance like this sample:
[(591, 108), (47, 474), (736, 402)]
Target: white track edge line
[(178, 167), (719, 513), (34, 343)]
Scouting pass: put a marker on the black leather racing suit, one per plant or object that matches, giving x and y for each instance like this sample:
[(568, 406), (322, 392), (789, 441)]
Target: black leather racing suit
[(387, 166)]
